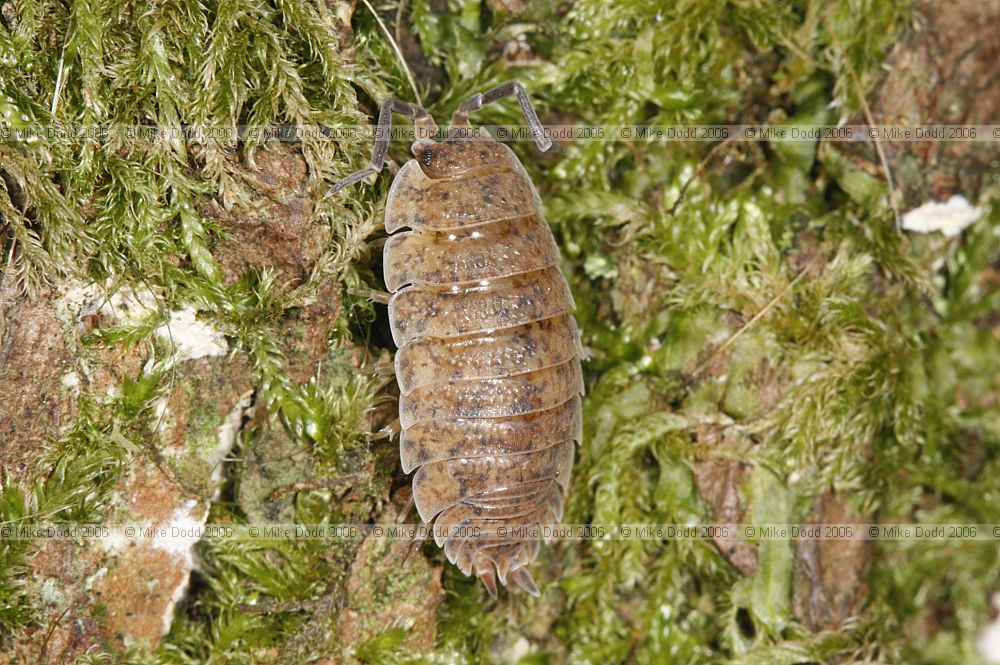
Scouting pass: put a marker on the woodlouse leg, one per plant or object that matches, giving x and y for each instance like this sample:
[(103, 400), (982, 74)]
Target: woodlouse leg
[(522, 578), (415, 544), (338, 484), (407, 510), (418, 537), (385, 370), (488, 576), (387, 432), (380, 297), (461, 117), (421, 118)]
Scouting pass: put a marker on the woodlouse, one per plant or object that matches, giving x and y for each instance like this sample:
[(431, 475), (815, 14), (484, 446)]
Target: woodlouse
[(489, 354)]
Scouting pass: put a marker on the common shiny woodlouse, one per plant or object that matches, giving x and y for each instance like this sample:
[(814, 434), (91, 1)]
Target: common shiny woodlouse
[(488, 364)]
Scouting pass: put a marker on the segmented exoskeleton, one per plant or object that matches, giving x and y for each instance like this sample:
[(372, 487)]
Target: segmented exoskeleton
[(488, 364)]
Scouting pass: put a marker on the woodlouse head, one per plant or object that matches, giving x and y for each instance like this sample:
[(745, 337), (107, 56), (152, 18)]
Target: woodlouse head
[(451, 159)]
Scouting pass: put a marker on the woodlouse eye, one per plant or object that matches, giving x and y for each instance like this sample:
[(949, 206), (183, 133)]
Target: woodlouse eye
[(426, 157)]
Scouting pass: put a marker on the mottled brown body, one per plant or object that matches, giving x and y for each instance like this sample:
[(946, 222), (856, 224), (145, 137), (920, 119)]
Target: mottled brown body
[(489, 355)]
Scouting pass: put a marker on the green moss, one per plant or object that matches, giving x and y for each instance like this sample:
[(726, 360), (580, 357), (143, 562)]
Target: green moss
[(766, 293)]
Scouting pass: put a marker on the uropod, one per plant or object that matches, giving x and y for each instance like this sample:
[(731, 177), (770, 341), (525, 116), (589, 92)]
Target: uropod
[(488, 360)]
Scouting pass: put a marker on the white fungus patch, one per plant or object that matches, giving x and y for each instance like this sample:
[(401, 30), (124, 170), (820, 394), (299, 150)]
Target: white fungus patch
[(227, 433), (71, 382), (989, 640), (178, 538), (129, 306), (115, 541), (181, 531), (122, 304), (50, 592), (89, 582), (184, 527), (950, 218), (192, 338)]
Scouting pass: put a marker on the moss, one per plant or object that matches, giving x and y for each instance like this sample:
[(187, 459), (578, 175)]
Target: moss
[(755, 304)]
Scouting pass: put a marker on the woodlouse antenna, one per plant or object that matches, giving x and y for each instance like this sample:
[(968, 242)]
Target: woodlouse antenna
[(421, 118), (461, 117)]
